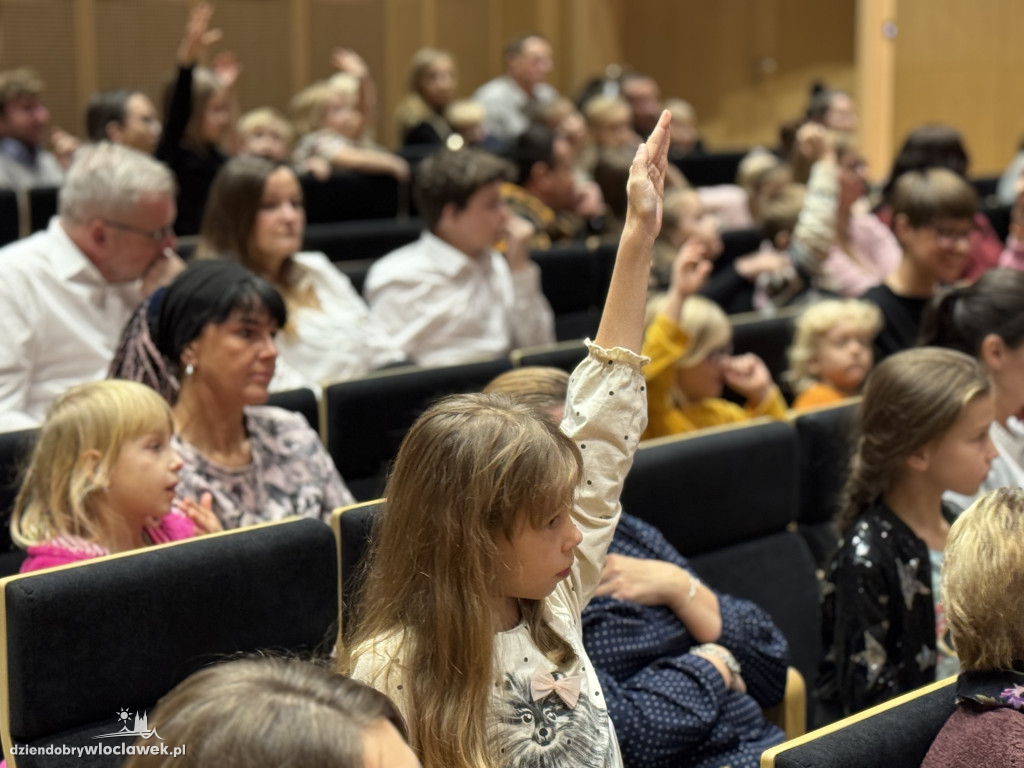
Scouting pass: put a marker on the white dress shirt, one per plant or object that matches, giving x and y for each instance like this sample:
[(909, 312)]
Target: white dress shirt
[(506, 105), (445, 308), (61, 323)]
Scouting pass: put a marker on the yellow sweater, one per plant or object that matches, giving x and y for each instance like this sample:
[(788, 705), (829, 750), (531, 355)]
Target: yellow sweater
[(665, 343)]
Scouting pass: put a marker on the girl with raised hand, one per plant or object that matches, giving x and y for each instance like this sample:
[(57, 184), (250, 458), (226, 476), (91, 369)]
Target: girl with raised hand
[(923, 431), (492, 541), (103, 479)]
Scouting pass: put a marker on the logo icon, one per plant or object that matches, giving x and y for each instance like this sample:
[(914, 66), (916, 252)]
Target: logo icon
[(140, 727)]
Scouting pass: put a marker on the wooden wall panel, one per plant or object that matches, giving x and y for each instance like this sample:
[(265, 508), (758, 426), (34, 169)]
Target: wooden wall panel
[(258, 32)]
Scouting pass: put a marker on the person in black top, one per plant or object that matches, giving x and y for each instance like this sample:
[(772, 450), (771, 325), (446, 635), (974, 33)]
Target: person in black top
[(933, 217)]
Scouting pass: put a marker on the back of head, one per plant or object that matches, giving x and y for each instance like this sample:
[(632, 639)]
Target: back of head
[(983, 582), (267, 712), (679, 204), (78, 444), (231, 209), (930, 146), (541, 387), (106, 180), (452, 177), (308, 106), (105, 107), (780, 212), (933, 193), (705, 324), (611, 172), (534, 145), (961, 318), (267, 119), (814, 324), (911, 399), (23, 81)]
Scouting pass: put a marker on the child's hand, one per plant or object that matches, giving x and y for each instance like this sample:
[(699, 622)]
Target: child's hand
[(198, 35), (400, 169), (814, 142), (690, 268), (518, 232), (320, 167), (648, 582), (646, 186), (226, 69), (202, 514), (64, 145), (765, 262), (348, 61), (748, 375)]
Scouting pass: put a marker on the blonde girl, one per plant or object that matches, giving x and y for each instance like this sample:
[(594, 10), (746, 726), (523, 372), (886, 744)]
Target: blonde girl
[(419, 116), (492, 541), (102, 478), (689, 341), (923, 429), (832, 351)]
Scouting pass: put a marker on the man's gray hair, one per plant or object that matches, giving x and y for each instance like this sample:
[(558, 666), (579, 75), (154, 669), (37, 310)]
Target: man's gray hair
[(105, 179)]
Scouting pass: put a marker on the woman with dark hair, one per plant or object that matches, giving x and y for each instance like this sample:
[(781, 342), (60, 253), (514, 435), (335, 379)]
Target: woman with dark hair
[(255, 217), (832, 108), (940, 146), (986, 321), (207, 344)]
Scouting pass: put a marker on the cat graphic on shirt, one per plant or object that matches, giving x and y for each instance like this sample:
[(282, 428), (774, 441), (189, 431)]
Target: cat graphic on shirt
[(547, 733)]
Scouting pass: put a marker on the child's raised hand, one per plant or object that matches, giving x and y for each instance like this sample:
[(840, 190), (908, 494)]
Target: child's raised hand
[(348, 61), (226, 69), (201, 514), (814, 142), (748, 375), (690, 268), (762, 263), (646, 186), (198, 35)]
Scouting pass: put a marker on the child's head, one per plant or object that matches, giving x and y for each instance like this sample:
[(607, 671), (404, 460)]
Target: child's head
[(684, 125), (610, 120), (983, 580), (264, 712), (332, 104), (699, 372), (102, 465), (458, 196), (933, 218), (539, 386), (211, 110), (562, 117), (265, 133), (780, 212), (985, 320), (929, 146), (833, 344), (23, 116), (684, 216), (925, 411), (761, 174), (466, 117)]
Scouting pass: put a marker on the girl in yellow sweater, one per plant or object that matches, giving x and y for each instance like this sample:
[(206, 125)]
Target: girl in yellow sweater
[(689, 341)]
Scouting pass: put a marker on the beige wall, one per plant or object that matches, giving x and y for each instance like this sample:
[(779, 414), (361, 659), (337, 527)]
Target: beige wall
[(745, 64)]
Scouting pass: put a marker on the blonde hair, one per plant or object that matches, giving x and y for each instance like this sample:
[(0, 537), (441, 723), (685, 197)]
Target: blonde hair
[(309, 106), (14, 83), (541, 387), (266, 118), (598, 109), (472, 469), (752, 168), (465, 112), (681, 110), (780, 212), (911, 399), (677, 204), (983, 581), (815, 323), (61, 486), (267, 712)]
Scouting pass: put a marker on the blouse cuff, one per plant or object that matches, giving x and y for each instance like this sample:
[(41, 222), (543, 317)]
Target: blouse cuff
[(617, 354)]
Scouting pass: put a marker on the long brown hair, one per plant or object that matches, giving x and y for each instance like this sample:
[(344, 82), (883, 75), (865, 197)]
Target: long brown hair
[(910, 399), (472, 468)]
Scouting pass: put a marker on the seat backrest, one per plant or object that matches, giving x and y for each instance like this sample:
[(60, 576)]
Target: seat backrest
[(825, 438), (565, 355), (10, 216), (347, 196), (710, 169), (42, 206), (722, 487), (15, 453), (353, 240), (299, 401), (767, 337), (365, 419), (897, 733), (84, 641), (571, 275), (353, 529)]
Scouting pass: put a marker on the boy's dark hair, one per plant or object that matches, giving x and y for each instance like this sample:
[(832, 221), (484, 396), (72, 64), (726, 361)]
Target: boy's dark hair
[(933, 193), (448, 177), (105, 107), (930, 146), (534, 145)]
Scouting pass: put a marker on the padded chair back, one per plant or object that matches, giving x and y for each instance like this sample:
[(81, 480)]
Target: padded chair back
[(85, 641), (897, 733), (710, 169), (767, 337), (42, 206), (15, 453), (353, 529), (571, 278), (736, 243), (352, 240), (565, 355), (10, 216), (999, 217), (826, 444), (299, 401), (349, 197), (365, 419)]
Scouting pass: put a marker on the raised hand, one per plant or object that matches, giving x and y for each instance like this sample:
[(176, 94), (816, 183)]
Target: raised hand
[(690, 268), (226, 69), (348, 61), (646, 186), (814, 142), (198, 35)]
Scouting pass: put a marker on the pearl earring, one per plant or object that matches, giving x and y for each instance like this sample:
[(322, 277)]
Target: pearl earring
[(189, 369)]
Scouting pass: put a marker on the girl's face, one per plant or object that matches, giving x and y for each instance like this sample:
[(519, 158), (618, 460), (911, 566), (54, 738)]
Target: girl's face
[(266, 142), (280, 222), (216, 117), (437, 85), (959, 460), (706, 378), (234, 360), (143, 478), (342, 115), (1007, 374), (537, 559), (384, 747), (844, 357)]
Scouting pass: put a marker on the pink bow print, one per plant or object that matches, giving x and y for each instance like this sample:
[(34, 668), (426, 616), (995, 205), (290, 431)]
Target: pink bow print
[(544, 683)]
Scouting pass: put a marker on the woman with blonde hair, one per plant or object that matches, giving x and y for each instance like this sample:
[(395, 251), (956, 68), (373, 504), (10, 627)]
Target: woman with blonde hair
[(269, 712), (982, 582), (831, 354), (420, 115), (923, 429), (689, 341)]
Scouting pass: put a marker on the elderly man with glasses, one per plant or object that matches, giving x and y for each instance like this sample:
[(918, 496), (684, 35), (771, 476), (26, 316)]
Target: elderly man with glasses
[(66, 293)]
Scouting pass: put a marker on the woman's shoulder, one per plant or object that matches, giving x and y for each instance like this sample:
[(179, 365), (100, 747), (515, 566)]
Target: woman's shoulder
[(263, 420)]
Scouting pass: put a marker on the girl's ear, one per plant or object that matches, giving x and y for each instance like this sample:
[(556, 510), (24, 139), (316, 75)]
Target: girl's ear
[(993, 352), (89, 462), (920, 459)]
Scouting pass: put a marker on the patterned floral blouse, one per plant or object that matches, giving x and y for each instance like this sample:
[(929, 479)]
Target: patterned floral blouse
[(291, 474)]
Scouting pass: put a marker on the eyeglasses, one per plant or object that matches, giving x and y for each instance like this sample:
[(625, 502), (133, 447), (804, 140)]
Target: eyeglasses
[(719, 355), (948, 237), (156, 235)]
